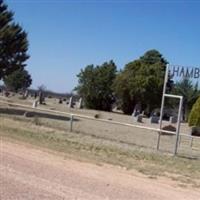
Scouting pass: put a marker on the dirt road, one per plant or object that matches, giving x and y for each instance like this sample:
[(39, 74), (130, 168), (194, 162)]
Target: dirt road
[(27, 173)]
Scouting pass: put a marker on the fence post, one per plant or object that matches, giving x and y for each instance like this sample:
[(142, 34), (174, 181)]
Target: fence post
[(71, 122), (162, 105), (178, 125), (191, 142), (179, 142)]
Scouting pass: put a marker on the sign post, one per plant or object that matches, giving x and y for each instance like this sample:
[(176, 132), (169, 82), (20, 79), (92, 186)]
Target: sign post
[(178, 72), (178, 125), (162, 104)]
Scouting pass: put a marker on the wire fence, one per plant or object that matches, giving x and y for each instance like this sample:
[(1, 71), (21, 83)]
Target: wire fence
[(127, 134)]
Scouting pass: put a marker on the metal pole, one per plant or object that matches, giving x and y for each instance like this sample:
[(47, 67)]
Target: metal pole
[(162, 104), (71, 122), (178, 125), (179, 142), (191, 142)]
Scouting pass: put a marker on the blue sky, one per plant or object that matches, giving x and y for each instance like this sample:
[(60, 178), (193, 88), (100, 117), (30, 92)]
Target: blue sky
[(65, 36)]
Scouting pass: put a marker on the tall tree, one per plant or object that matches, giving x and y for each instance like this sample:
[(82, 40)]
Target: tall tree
[(95, 86), (141, 81), (13, 43), (20, 79)]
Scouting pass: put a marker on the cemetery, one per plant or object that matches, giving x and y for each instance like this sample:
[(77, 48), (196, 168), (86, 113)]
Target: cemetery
[(88, 111), (143, 134)]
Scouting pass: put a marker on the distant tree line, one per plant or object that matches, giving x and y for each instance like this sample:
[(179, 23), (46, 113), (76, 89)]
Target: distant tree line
[(51, 94)]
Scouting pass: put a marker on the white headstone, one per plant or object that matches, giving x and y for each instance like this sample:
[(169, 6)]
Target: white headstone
[(70, 105), (80, 103), (35, 103), (26, 94)]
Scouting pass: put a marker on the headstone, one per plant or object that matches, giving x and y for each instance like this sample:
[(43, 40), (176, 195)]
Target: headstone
[(173, 119), (135, 113), (80, 103), (35, 95), (139, 118), (26, 94), (35, 104), (41, 97), (60, 101), (6, 93), (70, 105), (138, 107), (154, 119)]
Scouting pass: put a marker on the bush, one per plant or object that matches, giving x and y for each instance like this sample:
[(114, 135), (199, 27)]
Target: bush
[(168, 128), (194, 117), (36, 121), (97, 116)]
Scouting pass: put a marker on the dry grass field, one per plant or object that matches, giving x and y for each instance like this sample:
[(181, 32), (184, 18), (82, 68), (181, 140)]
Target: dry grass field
[(129, 147), (136, 137)]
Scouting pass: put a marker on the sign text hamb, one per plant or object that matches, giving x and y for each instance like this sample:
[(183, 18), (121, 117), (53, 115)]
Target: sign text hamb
[(185, 72)]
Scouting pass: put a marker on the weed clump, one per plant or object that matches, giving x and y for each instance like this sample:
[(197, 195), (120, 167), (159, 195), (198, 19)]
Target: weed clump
[(168, 128), (37, 121)]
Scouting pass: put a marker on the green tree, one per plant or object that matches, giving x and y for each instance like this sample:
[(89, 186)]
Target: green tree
[(141, 81), (19, 79), (13, 43), (95, 86), (194, 117), (189, 92)]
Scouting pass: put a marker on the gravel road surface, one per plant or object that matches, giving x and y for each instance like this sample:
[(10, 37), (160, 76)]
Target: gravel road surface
[(28, 173)]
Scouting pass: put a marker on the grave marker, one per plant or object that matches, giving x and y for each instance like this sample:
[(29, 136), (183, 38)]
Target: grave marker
[(70, 105), (80, 103)]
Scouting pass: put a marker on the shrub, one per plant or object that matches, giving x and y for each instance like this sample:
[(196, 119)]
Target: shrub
[(97, 116), (168, 128), (194, 117), (36, 121)]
